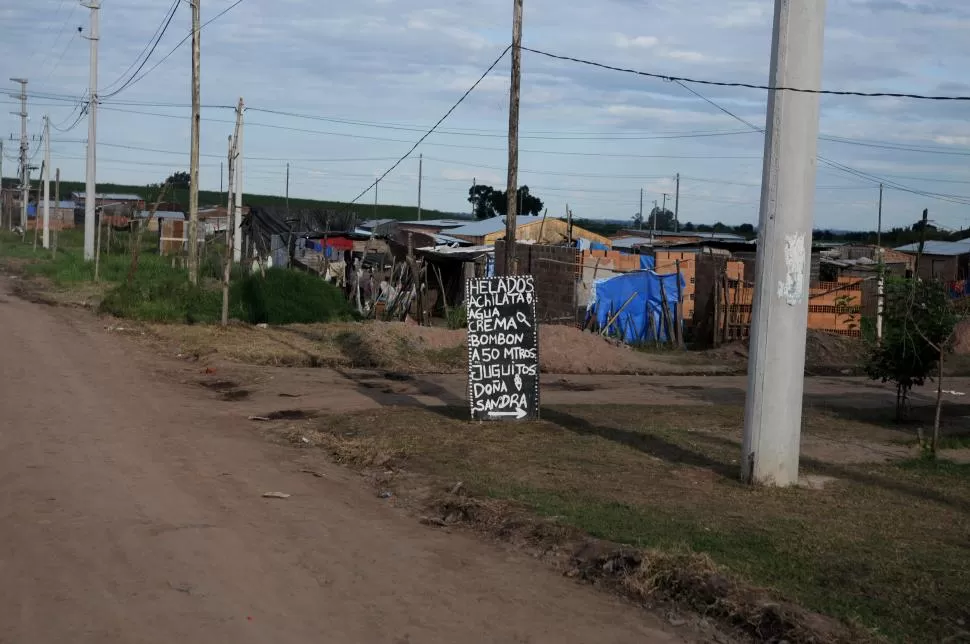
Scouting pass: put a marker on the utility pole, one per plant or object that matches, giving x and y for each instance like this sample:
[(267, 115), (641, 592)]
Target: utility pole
[(24, 147), (237, 183), (60, 217), (776, 367), (193, 263), (881, 295), (46, 240), (474, 185), (653, 227), (511, 191), (641, 208), (91, 183), (376, 184), (677, 205), (420, 177), (2, 202), (287, 190), (663, 209), (233, 157)]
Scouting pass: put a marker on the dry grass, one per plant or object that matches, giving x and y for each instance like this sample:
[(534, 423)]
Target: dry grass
[(884, 546), (339, 345)]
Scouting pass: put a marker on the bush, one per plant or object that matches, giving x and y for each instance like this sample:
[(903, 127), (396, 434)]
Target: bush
[(161, 295), (290, 297)]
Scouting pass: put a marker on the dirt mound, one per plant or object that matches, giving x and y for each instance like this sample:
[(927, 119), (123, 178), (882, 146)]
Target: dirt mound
[(961, 338), (822, 351)]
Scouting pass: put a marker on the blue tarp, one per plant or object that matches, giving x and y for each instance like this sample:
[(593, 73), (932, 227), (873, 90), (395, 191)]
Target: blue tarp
[(598, 246), (633, 324), (647, 263)]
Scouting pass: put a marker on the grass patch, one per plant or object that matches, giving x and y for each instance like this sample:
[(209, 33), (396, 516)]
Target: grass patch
[(884, 546), (290, 297)]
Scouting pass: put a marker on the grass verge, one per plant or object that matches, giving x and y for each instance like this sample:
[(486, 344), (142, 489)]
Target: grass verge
[(883, 547)]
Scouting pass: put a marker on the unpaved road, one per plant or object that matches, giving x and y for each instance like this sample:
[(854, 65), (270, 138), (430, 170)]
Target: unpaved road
[(131, 511)]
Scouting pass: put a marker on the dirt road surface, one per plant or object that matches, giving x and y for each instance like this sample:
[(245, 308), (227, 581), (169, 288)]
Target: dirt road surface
[(131, 511)]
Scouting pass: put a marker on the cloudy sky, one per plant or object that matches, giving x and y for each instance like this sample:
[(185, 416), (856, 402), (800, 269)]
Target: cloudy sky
[(360, 81)]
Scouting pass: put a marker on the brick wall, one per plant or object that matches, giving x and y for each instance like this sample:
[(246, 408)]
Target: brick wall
[(556, 271)]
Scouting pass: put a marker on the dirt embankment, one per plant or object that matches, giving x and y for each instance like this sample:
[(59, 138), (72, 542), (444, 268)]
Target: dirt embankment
[(413, 349)]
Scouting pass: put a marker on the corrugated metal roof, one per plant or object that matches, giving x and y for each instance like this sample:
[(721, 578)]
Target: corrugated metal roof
[(109, 196), (438, 223), (145, 214), (489, 226), (961, 247), (629, 242)]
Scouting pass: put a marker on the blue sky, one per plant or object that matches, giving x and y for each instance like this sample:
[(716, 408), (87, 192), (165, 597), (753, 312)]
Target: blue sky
[(375, 74)]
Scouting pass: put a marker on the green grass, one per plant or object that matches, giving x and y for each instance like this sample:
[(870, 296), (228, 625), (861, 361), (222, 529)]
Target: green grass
[(884, 546), (161, 292)]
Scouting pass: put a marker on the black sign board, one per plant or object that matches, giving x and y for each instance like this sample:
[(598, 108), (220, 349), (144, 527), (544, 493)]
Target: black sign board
[(503, 348)]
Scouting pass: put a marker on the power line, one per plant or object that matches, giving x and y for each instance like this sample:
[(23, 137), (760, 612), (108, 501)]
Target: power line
[(435, 126), (131, 79), (174, 49), (834, 164), (694, 81), (152, 43)]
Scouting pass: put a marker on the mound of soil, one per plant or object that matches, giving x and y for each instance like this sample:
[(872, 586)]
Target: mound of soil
[(822, 351), (961, 338)]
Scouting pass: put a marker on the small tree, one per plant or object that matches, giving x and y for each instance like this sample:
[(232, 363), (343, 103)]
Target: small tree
[(918, 322)]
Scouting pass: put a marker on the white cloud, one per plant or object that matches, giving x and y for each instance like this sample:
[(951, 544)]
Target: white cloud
[(635, 42)]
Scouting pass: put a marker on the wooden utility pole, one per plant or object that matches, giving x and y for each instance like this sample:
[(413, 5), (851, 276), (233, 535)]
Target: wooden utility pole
[(677, 205), (193, 260), (237, 183), (511, 190), (60, 216), (881, 292), (47, 183), (420, 177), (641, 208)]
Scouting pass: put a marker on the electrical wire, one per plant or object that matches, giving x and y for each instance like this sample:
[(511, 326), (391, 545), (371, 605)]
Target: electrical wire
[(834, 164), (152, 43), (174, 49), (435, 126), (777, 88), (131, 79)]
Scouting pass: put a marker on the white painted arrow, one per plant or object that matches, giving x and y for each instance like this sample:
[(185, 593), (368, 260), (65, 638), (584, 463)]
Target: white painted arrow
[(518, 413)]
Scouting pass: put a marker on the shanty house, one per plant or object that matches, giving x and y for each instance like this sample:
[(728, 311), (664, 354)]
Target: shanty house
[(942, 260)]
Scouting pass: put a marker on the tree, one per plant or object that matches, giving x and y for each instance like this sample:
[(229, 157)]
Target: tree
[(746, 229), (638, 220), (488, 202), (480, 197), (918, 322), (179, 180), (663, 217), (688, 227)]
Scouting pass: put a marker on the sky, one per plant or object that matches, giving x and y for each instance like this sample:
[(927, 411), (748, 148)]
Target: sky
[(359, 82)]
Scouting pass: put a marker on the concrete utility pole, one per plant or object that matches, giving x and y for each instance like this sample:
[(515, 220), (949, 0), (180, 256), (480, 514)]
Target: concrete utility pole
[(881, 295), (420, 177), (237, 184), (511, 190), (677, 205), (663, 209), (773, 410), (91, 183), (376, 184), (193, 260), (287, 190), (24, 147), (46, 240)]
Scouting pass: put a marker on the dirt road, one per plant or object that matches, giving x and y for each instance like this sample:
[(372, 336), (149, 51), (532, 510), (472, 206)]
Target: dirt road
[(131, 511)]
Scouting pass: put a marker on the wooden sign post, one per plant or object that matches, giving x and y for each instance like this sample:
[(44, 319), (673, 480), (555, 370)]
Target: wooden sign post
[(503, 348)]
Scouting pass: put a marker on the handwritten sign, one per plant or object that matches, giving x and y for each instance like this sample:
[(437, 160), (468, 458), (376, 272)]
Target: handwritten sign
[(503, 348)]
